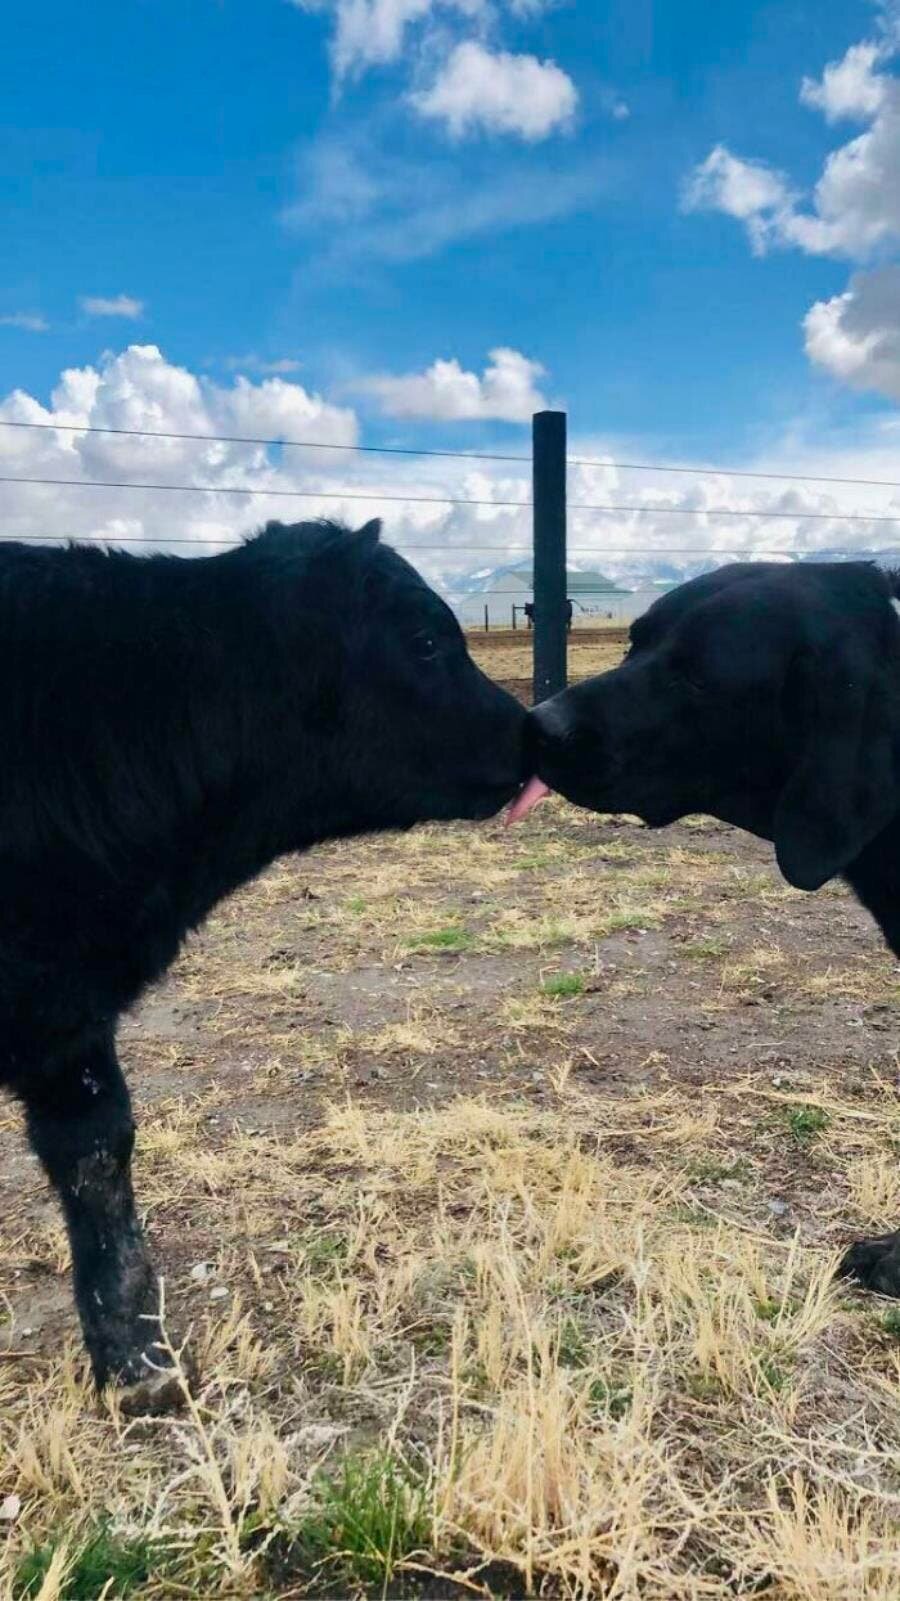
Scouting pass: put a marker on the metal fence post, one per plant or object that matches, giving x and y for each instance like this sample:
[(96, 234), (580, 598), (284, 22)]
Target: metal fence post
[(549, 499)]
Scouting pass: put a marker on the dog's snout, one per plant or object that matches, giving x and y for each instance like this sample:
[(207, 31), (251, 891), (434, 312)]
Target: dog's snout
[(553, 721)]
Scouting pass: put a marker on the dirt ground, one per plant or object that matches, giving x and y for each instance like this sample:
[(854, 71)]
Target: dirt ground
[(498, 1176), (506, 654)]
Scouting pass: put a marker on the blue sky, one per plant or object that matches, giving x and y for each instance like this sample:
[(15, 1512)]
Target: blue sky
[(336, 194)]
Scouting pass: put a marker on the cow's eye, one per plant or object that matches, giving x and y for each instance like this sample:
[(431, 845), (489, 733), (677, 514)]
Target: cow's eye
[(425, 645)]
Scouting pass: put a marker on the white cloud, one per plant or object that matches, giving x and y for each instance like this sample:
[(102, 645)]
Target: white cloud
[(854, 209), (364, 204), (371, 33), (750, 191), (375, 33), (507, 391), (335, 187), (850, 87), (138, 388), (281, 366), (856, 204), (856, 336), (112, 306), (480, 90), (29, 321)]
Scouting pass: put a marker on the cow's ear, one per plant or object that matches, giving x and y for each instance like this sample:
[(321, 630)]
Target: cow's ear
[(370, 534), (843, 789), (345, 546)]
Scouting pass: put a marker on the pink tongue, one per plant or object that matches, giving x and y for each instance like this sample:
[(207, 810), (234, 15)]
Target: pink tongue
[(534, 791)]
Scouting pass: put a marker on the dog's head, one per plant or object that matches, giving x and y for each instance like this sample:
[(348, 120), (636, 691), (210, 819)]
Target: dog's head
[(766, 695)]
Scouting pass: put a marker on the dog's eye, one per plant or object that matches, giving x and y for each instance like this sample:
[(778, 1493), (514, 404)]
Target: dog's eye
[(692, 680)]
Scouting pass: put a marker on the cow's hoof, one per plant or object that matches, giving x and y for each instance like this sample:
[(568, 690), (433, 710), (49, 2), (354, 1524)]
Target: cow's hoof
[(875, 1264), (151, 1395)]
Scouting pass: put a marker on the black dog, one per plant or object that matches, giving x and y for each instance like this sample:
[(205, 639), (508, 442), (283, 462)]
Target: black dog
[(168, 728), (768, 696)]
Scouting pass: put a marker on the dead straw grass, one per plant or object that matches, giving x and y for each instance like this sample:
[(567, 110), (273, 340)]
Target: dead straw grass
[(566, 1317)]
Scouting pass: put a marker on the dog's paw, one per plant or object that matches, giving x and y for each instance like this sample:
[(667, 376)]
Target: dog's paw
[(874, 1264)]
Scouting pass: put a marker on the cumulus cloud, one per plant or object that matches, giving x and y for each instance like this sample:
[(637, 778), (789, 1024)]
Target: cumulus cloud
[(480, 90), (850, 87), (373, 33), (750, 191), (854, 209), (856, 336), (445, 392), (368, 32), (112, 306), (677, 526), (139, 389)]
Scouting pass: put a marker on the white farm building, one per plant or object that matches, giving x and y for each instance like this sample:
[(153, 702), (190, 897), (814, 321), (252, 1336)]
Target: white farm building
[(595, 598)]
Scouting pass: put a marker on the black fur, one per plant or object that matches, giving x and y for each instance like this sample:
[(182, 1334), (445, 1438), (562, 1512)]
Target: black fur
[(168, 728), (768, 696)]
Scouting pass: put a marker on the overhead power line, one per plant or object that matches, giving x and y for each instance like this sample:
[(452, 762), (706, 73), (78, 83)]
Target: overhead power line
[(270, 444), (729, 472), (446, 455), (601, 508), (271, 494), (657, 551)]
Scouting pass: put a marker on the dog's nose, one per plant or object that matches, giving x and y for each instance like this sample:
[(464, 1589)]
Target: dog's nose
[(552, 719)]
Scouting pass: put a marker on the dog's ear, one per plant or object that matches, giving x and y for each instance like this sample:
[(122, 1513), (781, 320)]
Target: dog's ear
[(843, 789)]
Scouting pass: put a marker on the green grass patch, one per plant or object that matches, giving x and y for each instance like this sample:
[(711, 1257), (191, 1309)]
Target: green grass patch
[(365, 1521), (708, 1170), (563, 986), (431, 1339), (621, 922), (322, 1250), (805, 1122), (705, 950), (771, 1310), (451, 938), (693, 1216), (105, 1564), (776, 1376), (612, 1399), (572, 1347)]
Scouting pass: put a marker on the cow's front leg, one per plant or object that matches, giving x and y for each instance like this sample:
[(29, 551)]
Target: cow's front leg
[(80, 1124)]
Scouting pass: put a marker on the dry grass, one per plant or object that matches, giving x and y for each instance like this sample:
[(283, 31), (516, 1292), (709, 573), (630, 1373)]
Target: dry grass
[(598, 1395), (489, 1270)]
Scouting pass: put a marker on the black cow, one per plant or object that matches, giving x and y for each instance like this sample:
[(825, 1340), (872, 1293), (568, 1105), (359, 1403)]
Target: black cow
[(169, 727), (768, 696)]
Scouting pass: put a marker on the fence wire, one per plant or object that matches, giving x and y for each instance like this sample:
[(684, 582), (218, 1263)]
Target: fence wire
[(509, 552)]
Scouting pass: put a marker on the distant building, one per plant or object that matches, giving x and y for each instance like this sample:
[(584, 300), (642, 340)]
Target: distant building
[(641, 598), (595, 598)]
